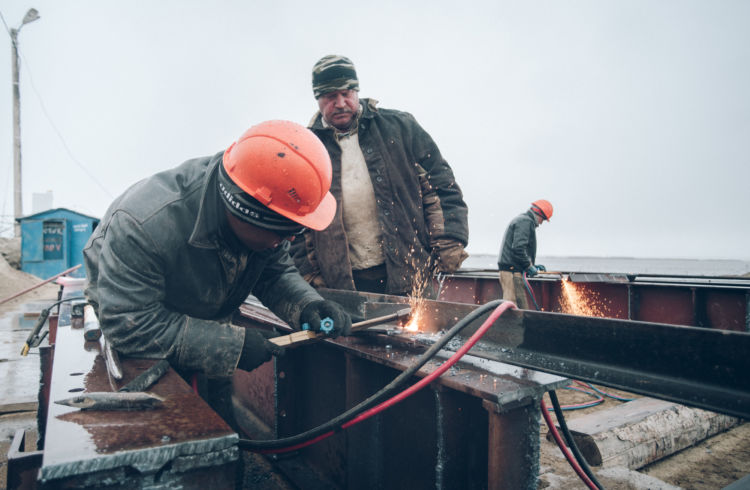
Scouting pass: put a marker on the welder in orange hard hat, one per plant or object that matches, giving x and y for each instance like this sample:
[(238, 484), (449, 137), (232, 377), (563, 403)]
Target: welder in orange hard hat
[(518, 252), (178, 253)]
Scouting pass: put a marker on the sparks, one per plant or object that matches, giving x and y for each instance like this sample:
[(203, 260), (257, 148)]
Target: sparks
[(413, 324), (577, 301)]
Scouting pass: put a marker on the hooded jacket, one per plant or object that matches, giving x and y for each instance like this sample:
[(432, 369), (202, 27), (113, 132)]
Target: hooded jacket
[(165, 273), (519, 243), (418, 202)]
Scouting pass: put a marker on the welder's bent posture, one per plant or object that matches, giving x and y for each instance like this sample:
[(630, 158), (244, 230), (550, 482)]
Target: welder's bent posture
[(518, 252), (179, 252), (399, 207)]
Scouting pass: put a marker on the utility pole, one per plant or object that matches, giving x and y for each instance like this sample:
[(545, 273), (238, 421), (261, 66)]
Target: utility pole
[(30, 16)]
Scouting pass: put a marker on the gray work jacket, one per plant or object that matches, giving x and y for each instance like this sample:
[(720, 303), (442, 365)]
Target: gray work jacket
[(518, 251), (164, 280)]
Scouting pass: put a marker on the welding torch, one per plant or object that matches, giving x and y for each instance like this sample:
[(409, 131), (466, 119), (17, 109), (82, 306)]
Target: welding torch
[(326, 325), (34, 339)]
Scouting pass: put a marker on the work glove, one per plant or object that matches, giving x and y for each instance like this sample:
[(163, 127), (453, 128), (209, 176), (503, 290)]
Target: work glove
[(531, 271), (449, 255), (327, 317), (257, 349), (540, 268)]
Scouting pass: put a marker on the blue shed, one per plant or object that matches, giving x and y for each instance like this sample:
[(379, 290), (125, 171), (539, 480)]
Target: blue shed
[(53, 240)]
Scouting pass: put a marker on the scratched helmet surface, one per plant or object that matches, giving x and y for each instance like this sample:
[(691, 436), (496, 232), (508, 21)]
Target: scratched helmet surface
[(286, 168)]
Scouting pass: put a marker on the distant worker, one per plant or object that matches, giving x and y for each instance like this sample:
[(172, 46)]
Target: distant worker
[(400, 212), (179, 252), (518, 252)]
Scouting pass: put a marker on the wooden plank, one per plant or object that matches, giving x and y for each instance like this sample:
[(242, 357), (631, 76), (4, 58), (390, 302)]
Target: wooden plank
[(295, 338), (306, 336), (642, 431)]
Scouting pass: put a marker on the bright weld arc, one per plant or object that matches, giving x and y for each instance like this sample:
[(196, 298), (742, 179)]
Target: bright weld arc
[(496, 313)]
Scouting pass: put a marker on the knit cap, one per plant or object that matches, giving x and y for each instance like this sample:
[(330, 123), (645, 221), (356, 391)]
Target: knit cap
[(334, 72)]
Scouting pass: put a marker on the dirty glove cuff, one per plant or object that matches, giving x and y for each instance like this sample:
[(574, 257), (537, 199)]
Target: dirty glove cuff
[(256, 349), (327, 317), (450, 254), (531, 271)]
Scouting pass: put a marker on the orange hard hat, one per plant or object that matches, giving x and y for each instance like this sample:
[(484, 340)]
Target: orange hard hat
[(543, 207), (285, 167)]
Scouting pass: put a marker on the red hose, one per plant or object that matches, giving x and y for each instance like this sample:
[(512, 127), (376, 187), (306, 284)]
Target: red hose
[(568, 455), (436, 373), (496, 313)]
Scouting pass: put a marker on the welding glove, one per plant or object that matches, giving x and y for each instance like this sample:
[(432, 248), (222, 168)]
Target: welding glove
[(257, 349), (540, 268), (327, 317), (449, 255), (531, 271)]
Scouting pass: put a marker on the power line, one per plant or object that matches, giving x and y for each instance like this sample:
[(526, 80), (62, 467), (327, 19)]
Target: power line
[(7, 29), (50, 121), (59, 135)]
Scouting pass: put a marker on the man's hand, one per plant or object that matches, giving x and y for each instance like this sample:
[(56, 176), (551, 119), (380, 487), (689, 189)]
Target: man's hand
[(257, 349), (450, 254), (540, 268), (316, 313), (531, 271)]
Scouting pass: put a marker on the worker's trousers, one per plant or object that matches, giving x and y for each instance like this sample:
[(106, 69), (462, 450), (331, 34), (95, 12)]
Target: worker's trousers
[(513, 288)]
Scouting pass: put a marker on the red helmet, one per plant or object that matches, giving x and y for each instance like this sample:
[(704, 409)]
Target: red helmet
[(286, 168), (543, 207)]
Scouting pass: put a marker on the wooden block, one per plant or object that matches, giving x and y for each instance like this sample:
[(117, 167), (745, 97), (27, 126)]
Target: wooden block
[(295, 338), (642, 431)]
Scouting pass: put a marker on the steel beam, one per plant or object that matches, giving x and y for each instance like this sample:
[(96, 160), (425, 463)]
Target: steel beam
[(721, 302), (477, 426), (183, 444), (700, 367)]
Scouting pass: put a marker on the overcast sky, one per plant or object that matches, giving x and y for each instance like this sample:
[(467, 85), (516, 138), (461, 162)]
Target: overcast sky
[(632, 117)]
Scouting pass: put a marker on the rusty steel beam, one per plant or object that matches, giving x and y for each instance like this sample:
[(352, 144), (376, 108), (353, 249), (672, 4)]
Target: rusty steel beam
[(486, 418), (711, 302), (477, 426), (700, 367), (183, 444)]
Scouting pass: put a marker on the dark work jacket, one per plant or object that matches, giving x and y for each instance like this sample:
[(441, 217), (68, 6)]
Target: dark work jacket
[(164, 282), (418, 202), (519, 243)]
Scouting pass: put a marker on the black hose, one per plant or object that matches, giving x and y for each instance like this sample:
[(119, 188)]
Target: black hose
[(569, 439), (561, 418), (33, 340), (385, 392)]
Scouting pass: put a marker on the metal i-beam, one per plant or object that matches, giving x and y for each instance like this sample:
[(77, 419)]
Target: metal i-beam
[(695, 366), (705, 368)]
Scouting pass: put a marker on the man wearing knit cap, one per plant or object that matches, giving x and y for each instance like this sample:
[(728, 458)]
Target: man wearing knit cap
[(400, 214)]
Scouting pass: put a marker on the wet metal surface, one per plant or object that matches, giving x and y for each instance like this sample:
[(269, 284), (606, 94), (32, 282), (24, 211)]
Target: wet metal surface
[(19, 375), (183, 435)]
